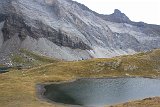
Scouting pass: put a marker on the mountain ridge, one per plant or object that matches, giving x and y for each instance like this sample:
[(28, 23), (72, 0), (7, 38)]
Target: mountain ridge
[(68, 30)]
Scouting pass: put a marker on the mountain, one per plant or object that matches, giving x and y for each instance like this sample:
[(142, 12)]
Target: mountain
[(68, 30), (117, 16)]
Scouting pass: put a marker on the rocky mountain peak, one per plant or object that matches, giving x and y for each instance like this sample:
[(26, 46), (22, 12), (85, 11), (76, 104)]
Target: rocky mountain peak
[(118, 17), (116, 11)]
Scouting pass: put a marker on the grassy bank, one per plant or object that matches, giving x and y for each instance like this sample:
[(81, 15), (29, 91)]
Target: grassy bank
[(18, 87)]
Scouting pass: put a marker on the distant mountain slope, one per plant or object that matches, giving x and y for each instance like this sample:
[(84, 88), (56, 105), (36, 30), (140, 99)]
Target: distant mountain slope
[(69, 30)]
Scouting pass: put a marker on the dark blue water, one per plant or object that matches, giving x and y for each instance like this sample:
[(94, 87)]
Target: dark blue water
[(4, 69), (100, 92)]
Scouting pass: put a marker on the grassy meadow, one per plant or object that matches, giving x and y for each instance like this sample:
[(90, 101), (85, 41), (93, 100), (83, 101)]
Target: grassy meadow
[(18, 87)]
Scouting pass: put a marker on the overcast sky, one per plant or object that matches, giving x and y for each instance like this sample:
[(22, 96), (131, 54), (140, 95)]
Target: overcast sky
[(137, 10)]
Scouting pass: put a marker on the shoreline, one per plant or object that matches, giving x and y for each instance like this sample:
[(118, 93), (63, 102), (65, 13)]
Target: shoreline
[(40, 90)]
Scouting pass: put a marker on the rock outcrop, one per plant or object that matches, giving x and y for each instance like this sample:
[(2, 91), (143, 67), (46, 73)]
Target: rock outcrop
[(69, 30)]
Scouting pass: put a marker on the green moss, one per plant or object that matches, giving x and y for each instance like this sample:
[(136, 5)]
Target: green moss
[(38, 57), (26, 58), (17, 59)]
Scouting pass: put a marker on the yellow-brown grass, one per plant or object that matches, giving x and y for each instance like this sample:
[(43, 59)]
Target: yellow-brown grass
[(18, 87)]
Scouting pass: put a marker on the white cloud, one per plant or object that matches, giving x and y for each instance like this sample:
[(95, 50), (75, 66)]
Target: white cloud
[(137, 10)]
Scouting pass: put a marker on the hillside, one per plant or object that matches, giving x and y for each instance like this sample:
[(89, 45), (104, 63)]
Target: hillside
[(45, 41), (68, 30), (19, 88)]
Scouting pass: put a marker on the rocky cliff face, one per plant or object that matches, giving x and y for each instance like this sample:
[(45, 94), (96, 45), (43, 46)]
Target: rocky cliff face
[(117, 17), (68, 30)]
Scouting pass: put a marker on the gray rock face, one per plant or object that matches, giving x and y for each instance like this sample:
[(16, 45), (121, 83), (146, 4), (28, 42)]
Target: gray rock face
[(117, 16), (68, 30)]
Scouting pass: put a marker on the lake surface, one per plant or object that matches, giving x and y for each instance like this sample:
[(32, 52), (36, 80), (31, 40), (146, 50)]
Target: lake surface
[(100, 92), (4, 69)]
